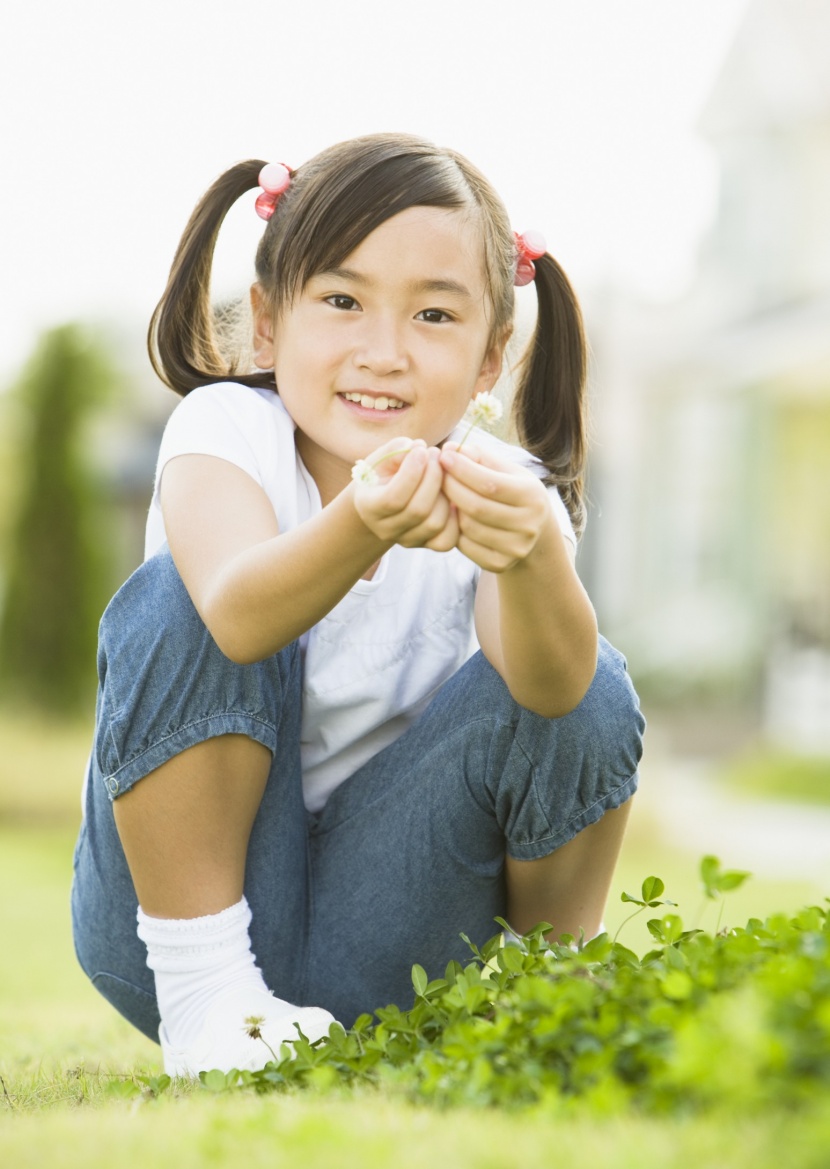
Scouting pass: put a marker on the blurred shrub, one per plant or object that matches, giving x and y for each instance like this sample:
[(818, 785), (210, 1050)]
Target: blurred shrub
[(57, 565)]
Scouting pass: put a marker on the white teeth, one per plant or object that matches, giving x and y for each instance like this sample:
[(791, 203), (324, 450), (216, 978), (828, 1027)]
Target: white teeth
[(381, 403)]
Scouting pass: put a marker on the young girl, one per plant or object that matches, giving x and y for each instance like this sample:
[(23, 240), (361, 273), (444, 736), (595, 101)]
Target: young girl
[(306, 774)]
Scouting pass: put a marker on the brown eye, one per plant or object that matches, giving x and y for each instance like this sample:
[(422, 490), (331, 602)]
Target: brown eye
[(344, 303)]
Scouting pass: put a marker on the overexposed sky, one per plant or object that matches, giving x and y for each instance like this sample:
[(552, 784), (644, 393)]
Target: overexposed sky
[(114, 118)]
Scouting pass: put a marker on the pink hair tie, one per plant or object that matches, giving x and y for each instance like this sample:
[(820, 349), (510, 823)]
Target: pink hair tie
[(274, 179), (530, 245)]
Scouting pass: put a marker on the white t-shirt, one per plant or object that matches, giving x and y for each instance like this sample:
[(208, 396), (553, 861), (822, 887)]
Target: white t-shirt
[(375, 661)]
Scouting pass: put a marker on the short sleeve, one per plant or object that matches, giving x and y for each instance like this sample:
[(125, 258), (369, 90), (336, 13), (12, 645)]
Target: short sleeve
[(227, 420), (218, 420)]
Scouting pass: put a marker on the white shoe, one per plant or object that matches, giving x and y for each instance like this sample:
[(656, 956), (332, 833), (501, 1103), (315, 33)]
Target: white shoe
[(224, 1041)]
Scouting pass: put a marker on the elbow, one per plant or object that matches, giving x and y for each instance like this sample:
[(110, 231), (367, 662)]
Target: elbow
[(233, 646), (554, 706), (239, 654), (238, 644), (558, 696), (240, 651)]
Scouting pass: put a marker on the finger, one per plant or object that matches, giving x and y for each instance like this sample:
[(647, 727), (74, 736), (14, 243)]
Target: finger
[(429, 509), (487, 558), (400, 445), (386, 460), (433, 528), (407, 508), (505, 481), (396, 492), (473, 453), (439, 532), (471, 503), (515, 541), (428, 491), (448, 537)]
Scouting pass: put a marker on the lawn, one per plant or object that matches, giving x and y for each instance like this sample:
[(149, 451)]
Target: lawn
[(779, 775), (61, 1046)]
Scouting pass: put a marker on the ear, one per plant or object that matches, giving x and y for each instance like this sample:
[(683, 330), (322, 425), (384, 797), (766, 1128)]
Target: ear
[(263, 329), (491, 367)]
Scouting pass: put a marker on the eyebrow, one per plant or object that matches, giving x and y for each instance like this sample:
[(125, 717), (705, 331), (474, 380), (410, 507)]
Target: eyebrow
[(419, 286)]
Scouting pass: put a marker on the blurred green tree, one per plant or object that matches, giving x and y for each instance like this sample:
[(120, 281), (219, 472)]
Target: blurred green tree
[(58, 572)]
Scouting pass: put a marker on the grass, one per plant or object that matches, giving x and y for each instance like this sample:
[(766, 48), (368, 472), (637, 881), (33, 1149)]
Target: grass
[(62, 1047), (777, 775), (272, 1133), (41, 767)]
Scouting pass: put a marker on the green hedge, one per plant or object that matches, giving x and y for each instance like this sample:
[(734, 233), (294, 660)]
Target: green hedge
[(738, 1019)]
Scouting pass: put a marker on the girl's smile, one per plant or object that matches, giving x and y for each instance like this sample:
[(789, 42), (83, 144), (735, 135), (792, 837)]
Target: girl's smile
[(376, 403), (395, 341)]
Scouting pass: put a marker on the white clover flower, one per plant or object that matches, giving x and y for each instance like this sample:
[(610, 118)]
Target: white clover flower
[(485, 409), (253, 1026), (364, 473)]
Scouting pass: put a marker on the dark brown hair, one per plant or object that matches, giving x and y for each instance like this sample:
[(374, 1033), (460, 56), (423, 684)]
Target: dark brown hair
[(332, 204)]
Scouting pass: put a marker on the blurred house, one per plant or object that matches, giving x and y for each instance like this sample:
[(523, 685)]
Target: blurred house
[(709, 552)]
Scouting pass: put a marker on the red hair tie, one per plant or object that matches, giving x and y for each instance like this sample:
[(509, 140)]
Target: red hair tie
[(274, 179), (529, 246)]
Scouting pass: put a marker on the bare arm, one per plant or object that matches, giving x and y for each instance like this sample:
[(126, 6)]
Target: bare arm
[(258, 589), (534, 620)]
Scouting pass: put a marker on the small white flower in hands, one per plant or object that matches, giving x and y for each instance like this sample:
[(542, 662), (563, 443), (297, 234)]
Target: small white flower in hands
[(364, 473), (485, 409)]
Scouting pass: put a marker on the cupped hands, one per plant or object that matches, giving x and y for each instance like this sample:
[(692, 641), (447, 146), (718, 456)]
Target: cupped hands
[(492, 510)]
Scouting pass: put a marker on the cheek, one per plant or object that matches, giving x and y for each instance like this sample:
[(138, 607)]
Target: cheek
[(301, 355)]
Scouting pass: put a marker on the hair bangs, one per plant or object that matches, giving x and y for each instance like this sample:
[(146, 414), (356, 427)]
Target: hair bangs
[(333, 210)]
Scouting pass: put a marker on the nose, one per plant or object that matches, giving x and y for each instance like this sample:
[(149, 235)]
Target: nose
[(381, 348)]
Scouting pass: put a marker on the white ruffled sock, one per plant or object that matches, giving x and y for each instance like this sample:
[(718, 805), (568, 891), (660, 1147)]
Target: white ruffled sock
[(198, 961)]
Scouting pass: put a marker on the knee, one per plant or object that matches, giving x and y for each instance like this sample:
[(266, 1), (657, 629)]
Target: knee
[(151, 624), (609, 720), (165, 685), (149, 607)]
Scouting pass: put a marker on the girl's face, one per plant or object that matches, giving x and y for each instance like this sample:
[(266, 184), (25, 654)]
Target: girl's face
[(394, 342)]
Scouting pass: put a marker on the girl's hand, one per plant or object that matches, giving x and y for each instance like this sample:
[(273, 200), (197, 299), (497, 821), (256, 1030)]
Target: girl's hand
[(502, 509), (407, 506)]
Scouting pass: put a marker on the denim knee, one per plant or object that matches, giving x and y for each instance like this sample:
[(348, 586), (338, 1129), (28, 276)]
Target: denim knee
[(566, 773), (509, 778)]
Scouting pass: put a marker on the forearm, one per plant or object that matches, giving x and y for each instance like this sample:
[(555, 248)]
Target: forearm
[(270, 593), (547, 629)]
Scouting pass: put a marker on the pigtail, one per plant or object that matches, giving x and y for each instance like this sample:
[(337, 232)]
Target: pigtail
[(549, 409), (183, 339)]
